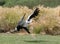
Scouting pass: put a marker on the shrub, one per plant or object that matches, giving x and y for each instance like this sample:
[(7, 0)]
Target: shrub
[(2, 2), (47, 20)]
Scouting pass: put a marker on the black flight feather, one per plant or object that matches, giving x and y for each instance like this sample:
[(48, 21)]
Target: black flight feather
[(35, 13)]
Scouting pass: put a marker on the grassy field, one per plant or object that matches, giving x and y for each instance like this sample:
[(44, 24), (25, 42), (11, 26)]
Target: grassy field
[(30, 3), (28, 39)]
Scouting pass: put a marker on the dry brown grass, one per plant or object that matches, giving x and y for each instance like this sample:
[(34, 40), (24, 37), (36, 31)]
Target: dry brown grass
[(47, 18)]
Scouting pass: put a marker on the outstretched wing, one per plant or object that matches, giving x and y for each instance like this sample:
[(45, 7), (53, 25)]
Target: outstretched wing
[(35, 13), (21, 21)]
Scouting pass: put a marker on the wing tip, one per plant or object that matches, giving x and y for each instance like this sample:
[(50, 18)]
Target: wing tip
[(37, 9)]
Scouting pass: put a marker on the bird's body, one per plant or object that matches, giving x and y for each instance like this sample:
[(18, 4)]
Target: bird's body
[(24, 23)]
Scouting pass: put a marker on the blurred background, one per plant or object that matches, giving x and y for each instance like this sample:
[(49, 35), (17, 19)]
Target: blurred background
[(29, 3), (47, 22)]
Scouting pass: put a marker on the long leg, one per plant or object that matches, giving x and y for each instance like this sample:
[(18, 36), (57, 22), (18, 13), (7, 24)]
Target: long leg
[(26, 29)]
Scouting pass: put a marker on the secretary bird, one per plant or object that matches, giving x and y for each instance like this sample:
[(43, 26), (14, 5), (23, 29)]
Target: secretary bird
[(24, 23)]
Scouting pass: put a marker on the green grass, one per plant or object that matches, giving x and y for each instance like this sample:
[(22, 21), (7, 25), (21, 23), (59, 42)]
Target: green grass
[(30, 3), (28, 39)]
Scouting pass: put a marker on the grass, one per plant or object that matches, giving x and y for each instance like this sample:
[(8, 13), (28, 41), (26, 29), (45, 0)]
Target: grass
[(48, 17), (27, 39), (29, 3)]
